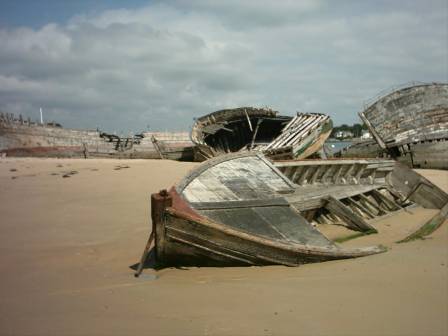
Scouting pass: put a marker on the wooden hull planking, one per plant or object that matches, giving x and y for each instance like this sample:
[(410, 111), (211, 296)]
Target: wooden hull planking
[(240, 209), (411, 125), (262, 130)]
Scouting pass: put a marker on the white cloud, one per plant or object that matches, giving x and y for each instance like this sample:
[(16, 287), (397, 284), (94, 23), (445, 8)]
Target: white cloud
[(171, 61)]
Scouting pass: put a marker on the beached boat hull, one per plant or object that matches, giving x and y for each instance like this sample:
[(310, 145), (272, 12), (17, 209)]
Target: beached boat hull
[(409, 125), (187, 240), (241, 209), (23, 138), (262, 130)]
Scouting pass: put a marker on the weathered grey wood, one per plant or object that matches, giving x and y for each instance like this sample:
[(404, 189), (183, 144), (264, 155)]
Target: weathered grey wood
[(304, 175), (314, 196), (327, 172), (353, 220), (430, 226), (391, 205), (259, 227), (361, 207), (315, 175), (298, 170), (240, 204), (216, 250), (373, 206), (306, 129), (337, 174), (348, 173), (156, 146)]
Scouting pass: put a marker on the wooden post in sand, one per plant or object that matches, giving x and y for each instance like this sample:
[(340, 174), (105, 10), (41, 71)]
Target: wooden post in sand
[(159, 202)]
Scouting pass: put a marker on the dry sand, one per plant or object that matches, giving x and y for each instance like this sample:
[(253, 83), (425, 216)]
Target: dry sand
[(67, 244)]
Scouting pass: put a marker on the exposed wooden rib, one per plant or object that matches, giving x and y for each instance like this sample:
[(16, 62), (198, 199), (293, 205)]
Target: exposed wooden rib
[(348, 174), (352, 207), (359, 173), (288, 132), (248, 120), (391, 205), (304, 132), (303, 128), (296, 173), (255, 133), (361, 207), (315, 175), (326, 173), (366, 200), (337, 173), (287, 171), (353, 220), (304, 175)]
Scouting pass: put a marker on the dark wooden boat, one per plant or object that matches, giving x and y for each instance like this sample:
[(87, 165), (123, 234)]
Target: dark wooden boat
[(241, 209), (263, 130)]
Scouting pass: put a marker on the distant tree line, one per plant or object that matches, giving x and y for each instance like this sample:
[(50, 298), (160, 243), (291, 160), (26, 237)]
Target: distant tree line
[(356, 129)]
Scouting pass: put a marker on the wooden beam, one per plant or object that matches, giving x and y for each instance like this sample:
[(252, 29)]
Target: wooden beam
[(352, 219), (361, 207), (337, 174), (280, 201), (296, 174), (367, 201), (315, 175), (386, 201), (304, 175), (326, 173)]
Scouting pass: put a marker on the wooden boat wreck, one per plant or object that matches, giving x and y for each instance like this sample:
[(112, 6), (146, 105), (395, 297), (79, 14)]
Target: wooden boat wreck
[(263, 130), (410, 125), (241, 209), (25, 138), (173, 146)]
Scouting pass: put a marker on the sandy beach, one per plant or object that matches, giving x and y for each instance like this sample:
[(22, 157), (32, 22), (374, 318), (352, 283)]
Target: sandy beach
[(70, 230)]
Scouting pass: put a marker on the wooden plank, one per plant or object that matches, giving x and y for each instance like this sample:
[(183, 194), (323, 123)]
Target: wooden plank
[(348, 173), (331, 162), (308, 125), (305, 131), (430, 226), (376, 208), (361, 207), (213, 184), (326, 173), (276, 171), (296, 173), (199, 192), (391, 205), (337, 174), (315, 175), (280, 201), (372, 130), (294, 133), (287, 133), (174, 234), (304, 175), (353, 220)]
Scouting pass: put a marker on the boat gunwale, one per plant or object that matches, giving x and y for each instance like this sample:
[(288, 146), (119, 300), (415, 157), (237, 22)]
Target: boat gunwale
[(197, 171)]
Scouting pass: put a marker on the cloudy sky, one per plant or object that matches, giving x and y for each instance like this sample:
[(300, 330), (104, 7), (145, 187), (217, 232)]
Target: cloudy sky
[(91, 63)]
